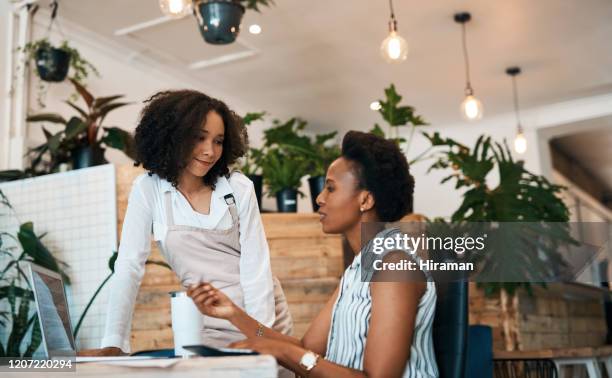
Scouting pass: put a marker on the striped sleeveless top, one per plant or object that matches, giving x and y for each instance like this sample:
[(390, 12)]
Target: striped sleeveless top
[(351, 316)]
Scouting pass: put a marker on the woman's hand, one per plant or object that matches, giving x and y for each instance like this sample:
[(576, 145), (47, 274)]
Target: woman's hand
[(262, 345), (212, 302)]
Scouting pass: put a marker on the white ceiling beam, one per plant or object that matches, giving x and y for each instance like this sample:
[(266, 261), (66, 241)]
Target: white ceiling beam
[(222, 59), (143, 25)]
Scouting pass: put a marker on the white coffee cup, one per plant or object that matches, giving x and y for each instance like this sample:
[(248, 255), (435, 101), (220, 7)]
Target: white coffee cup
[(187, 322)]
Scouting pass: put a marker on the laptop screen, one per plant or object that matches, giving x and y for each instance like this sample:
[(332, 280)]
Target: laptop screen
[(53, 312)]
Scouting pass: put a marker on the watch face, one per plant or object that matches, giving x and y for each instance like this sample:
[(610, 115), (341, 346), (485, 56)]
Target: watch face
[(309, 359)]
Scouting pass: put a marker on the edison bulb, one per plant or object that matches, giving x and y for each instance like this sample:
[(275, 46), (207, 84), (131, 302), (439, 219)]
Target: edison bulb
[(520, 143), (471, 108), (175, 8), (394, 48)]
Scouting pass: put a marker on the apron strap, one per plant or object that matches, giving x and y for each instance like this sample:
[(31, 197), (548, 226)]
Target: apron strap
[(231, 204), (169, 215)]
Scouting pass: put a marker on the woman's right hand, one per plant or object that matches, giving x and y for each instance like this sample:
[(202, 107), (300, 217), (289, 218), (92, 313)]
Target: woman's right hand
[(212, 302)]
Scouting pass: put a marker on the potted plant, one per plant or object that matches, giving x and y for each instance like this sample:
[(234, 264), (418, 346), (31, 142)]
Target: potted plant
[(83, 139), (53, 63), (319, 154), (527, 202), (21, 319), (283, 171), (251, 163), (219, 20), (396, 116)]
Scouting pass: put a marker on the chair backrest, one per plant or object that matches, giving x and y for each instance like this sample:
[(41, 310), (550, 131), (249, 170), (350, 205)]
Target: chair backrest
[(450, 328)]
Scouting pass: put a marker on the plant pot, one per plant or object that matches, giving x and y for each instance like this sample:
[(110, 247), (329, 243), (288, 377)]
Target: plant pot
[(286, 201), (220, 20), (258, 185), (87, 156), (52, 64), (316, 185)]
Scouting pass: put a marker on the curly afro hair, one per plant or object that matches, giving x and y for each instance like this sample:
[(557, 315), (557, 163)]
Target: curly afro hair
[(168, 132), (382, 169)]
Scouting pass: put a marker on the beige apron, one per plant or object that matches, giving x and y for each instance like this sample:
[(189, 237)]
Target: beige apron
[(214, 256)]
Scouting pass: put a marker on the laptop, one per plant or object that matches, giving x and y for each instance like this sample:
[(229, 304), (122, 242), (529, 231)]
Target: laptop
[(54, 316)]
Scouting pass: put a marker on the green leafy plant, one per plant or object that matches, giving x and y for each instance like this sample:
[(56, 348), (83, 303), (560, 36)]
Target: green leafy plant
[(82, 130), (520, 196), (80, 68), (15, 288), (255, 4), (282, 170), (283, 163), (396, 115), (319, 153), (251, 163)]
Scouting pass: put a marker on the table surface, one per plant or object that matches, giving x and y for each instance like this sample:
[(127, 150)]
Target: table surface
[(263, 366), (601, 351)]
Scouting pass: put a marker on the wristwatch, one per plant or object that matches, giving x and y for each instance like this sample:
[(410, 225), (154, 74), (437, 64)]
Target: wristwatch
[(309, 360)]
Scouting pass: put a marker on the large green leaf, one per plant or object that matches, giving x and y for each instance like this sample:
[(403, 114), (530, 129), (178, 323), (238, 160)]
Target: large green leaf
[(36, 338), (252, 117), (12, 174), (87, 97), (75, 127), (101, 101), (46, 117), (19, 329), (80, 110), (35, 249), (120, 139)]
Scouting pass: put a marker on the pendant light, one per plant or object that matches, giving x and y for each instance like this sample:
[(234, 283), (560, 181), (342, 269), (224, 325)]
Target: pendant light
[(471, 107), (520, 143), (175, 8), (394, 48)]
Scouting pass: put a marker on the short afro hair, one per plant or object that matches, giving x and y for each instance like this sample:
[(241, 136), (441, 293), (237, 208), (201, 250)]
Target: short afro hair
[(168, 132), (382, 169)]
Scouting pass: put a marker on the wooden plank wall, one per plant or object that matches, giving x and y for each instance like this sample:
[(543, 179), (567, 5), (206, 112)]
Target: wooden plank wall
[(561, 316), (307, 262)]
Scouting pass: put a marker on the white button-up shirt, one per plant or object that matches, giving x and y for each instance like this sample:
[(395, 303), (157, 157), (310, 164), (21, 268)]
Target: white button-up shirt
[(146, 214)]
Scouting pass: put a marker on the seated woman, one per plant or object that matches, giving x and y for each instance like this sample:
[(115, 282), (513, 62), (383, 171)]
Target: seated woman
[(373, 329)]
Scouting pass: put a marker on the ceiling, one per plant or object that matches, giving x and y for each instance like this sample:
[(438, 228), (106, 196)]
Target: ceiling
[(319, 59), (586, 149)]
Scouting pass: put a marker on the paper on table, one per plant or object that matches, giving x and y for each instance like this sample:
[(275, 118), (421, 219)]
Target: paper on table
[(157, 362)]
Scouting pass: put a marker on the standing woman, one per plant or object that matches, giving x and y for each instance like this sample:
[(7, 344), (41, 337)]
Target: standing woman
[(204, 218), (366, 329)]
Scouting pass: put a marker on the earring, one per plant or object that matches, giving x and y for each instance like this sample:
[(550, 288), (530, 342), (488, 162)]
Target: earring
[(361, 209)]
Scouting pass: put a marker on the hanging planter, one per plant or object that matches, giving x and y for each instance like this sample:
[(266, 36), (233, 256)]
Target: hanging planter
[(52, 64), (219, 20)]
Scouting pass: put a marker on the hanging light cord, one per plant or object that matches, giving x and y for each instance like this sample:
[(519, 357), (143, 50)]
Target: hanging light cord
[(516, 104), (468, 85), (392, 21)]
